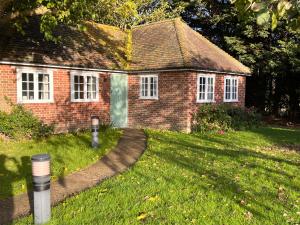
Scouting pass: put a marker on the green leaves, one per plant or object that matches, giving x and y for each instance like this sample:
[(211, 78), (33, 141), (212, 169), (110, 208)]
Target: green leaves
[(121, 13), (263, 17), (288, 11), (274, 21)]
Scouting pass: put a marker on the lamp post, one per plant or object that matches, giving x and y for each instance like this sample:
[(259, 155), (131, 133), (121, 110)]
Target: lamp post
[(41, 188), (95, 131)]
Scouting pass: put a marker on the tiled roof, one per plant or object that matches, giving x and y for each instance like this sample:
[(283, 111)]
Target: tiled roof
[(100, 46), (167, 44), (173, 44)]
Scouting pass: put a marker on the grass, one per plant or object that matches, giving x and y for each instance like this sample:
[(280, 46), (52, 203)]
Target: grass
[(236, 178), (69, 152)]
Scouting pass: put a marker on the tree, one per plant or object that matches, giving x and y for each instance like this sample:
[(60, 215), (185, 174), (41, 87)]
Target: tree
[(272, 55), (271, 11), (122, 13)]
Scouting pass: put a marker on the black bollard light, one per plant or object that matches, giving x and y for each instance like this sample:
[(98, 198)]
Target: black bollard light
[(41, 188), (95, 131)]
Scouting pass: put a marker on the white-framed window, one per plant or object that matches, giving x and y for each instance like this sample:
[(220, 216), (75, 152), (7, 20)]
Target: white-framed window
[(205, 88), (34, 85), (84, 86), (231, 84), (149, 87)]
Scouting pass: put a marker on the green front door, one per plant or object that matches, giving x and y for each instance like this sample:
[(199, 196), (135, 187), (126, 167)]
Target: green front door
[(118, 100)]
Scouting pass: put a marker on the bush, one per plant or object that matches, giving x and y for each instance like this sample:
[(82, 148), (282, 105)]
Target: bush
[(224, 118), (20, 123)]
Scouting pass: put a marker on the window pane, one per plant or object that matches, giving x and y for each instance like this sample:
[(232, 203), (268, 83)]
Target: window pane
[(31, 86), (234, 89), (46, 95), (24, 86), (89, 87), (89, 95), (227, 89), (81, 87), (30, 75), (24, 95), (31, 95), (41, 95), (81, 79), (94, 83), (155, 86), (151, 86), (202, 83), (89, 79), (210, 88), (43, 86), (40, 77), (24, 76)]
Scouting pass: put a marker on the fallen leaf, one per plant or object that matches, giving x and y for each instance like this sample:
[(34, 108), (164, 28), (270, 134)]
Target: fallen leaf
[(142, 216), (153, 199), (248, 215)]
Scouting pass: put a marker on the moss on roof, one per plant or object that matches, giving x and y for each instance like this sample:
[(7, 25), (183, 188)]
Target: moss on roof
[(161, 45)]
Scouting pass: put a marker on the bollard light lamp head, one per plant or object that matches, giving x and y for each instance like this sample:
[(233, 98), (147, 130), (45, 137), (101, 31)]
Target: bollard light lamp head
[(95, 121), (40, 165)]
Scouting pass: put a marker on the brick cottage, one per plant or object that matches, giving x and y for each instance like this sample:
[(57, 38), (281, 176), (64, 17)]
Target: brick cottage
[(154, 75)]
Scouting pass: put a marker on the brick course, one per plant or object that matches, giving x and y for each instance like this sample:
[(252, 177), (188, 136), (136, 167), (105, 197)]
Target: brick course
[(177, 101)]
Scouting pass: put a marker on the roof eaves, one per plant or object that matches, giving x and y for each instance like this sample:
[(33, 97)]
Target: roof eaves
[(128, 71)]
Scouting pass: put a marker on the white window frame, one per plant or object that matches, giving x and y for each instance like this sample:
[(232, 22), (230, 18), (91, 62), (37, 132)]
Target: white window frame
[(35, 72), (231, 87), (206, 88), (85, 75), (149, 97)]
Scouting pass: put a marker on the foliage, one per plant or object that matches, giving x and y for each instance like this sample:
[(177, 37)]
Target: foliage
[(69, 153), (20, 123), (197, 179), (271, 11), (272, 55), (121, 13), (211, 117)]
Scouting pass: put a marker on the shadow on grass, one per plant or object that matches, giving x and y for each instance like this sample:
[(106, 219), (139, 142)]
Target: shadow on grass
[(7, 178), (22, 172), (227, 152)]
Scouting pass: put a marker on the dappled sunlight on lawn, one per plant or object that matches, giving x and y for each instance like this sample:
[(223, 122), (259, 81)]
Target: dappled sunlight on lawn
[(198, 179), (69, 152)]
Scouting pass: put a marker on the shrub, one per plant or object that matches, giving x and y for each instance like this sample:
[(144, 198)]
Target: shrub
[(20, 123), (211, 117)]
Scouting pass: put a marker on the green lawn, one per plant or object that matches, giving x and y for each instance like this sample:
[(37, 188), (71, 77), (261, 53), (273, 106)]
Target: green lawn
[(69, 152), (236, 178)]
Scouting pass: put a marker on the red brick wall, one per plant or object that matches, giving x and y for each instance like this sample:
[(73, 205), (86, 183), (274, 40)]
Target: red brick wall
[(173, 110), (8, 86), (168, 112), (219, 93), (66, 115), (177, 101)]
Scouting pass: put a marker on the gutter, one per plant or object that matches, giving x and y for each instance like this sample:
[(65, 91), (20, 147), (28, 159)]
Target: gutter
[(121, 71)]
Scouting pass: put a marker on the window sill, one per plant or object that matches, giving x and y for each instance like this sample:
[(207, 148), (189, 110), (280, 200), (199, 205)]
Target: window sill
[(148, 98), (231, 101), (36, 102), (198, 101), (84, 101)]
